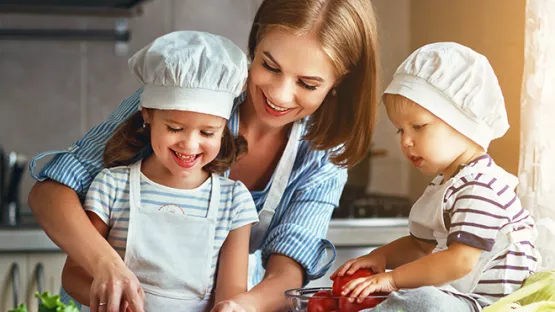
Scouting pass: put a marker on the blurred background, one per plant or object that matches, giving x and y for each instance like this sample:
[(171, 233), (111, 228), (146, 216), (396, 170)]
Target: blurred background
[(54, 86)]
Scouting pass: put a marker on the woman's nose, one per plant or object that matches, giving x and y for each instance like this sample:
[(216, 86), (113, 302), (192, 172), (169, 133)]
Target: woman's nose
[(282, 92)]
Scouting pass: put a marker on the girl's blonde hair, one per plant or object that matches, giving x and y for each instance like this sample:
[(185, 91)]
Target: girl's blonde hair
[(347, 32), (130, 138)]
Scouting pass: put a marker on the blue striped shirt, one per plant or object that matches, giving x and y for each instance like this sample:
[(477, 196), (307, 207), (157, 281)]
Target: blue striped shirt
[(300, 224), (108, 198)]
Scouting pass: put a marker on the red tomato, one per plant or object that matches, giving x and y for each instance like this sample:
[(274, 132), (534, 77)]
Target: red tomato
[(346, 306), (340, 281), (322, 301)]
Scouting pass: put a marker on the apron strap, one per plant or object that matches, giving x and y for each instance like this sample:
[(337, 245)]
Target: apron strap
[(135, 183), (214, 198), (279, 183), (283, 169)]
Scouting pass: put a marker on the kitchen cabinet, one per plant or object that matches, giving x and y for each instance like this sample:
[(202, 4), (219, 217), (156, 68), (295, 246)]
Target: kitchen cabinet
[(36, 271)]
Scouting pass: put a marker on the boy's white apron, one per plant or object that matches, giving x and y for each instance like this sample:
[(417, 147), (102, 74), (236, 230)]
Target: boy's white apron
[(428, 212)]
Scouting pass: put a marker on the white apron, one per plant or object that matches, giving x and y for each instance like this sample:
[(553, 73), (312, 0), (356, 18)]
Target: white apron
[(171, 254), (428, 212), (279, 183)]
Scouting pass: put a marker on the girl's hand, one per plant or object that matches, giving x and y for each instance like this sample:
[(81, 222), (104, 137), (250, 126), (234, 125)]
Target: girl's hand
[(363, 287), (372, 261), (228, 306), (113, 285)]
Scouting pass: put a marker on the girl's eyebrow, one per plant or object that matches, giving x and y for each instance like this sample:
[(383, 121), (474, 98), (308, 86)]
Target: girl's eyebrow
[(315, 78)]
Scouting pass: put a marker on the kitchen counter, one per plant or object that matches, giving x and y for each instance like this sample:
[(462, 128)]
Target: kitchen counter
[(366, 232), (342, 233)]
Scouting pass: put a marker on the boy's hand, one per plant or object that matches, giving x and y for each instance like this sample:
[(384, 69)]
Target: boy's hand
[(374, 262), (363, 287)]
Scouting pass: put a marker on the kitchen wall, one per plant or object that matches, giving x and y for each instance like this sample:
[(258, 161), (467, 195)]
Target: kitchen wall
[(52, 92), (494, 28)]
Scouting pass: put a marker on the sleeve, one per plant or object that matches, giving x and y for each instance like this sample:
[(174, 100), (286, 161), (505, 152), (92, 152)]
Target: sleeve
[(101, 195), (422, 233), (476, 216), (302, 229), (243, 207), (80, 163)]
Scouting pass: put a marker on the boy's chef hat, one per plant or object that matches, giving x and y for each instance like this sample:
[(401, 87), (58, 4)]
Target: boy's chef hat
[(456, 84), (191, 71)]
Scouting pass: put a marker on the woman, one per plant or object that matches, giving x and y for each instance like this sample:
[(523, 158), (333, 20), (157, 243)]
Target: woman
[(308, 114)]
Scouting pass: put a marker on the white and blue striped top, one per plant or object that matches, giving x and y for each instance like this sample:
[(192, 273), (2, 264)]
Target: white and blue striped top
[(108, 198), (300, 224)]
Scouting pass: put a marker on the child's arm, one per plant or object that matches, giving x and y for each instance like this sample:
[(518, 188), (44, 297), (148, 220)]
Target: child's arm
[(233, 264), (390, 256), (75, 280), (432, 270), (438, 268), (404, 250)]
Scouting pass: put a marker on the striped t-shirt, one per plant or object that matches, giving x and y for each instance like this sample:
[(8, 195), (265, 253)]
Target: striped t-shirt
[(108, 197), (476, 207)]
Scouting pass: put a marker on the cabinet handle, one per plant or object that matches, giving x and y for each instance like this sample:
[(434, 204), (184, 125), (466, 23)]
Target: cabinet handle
[(39, 277), (15, 283)]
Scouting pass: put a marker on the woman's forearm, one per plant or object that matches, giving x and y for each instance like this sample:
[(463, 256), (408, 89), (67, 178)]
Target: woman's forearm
[(282, 273), (59, 212), (77, 282)]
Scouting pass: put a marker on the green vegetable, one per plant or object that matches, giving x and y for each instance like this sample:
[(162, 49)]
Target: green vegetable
[(49, 304), (536, 294), (20, 308)]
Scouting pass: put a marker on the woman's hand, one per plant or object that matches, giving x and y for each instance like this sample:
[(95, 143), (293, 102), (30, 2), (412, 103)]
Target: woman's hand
[(114, 284)]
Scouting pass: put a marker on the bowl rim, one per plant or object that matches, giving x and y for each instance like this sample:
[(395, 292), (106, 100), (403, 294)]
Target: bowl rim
[(288, 293)]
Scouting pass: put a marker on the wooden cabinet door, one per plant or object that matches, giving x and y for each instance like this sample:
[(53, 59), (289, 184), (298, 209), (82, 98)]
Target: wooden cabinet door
[(13, 274)]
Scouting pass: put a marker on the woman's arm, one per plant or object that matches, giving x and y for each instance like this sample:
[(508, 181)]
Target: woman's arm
[(282, 273), (59, 212), (75, 280), (233, 264), (57, 208)]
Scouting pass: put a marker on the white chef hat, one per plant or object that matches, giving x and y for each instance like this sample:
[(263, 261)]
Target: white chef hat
[(456, 84), (191, 71)]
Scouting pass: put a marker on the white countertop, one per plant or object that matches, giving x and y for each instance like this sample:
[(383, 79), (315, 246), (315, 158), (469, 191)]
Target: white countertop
[(342, 233)]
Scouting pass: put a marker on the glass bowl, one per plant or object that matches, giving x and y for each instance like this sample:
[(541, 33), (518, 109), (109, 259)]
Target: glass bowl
[(298, 300)]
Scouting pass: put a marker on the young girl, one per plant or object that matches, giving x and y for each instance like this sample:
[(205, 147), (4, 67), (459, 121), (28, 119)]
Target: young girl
[(173, 220), (470, 237)]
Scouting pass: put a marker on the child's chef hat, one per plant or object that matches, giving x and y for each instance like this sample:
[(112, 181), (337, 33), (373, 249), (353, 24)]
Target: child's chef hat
[(191, 71), (456, 84)]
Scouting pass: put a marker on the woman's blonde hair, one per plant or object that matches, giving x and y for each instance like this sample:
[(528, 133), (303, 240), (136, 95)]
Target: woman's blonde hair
[(347, 32), (130, 138)]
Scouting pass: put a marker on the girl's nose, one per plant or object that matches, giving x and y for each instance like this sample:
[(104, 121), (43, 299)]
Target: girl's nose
[(189, 143)]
